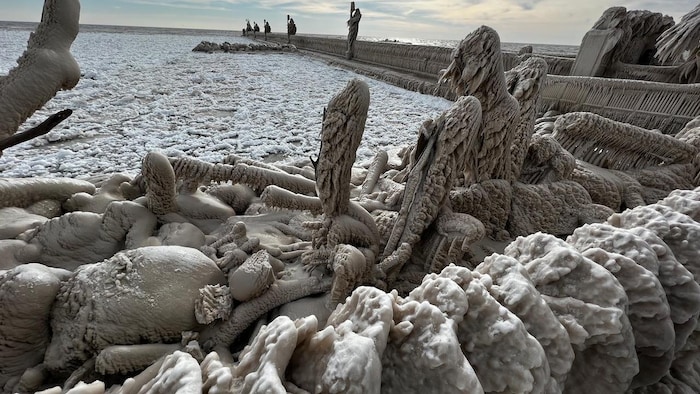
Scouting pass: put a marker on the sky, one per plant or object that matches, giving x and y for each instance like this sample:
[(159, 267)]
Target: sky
[(520, 21)]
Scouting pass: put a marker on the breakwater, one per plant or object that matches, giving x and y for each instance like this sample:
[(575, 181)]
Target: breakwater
[(409, 66), (424, 61), (651, 105)]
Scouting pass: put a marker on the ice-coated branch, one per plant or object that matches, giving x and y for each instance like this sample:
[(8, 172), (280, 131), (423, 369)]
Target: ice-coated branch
[(280, 293), (281, 198), (123, 359), (619, 146), (256, 177), (22, 192), (260, 178), (275, 196), (294, 169), (375, 170), (36, 131), (46, 67)]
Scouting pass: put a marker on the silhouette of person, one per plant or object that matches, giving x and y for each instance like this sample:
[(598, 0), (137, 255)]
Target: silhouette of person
[(268, 29), (291, 27), (256, 28)]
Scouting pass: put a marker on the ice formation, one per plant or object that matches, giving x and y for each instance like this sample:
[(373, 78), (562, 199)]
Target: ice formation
[(46, 67), (487, 257)]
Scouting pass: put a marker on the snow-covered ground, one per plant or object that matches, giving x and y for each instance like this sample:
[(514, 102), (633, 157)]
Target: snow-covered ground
[(142, 93)]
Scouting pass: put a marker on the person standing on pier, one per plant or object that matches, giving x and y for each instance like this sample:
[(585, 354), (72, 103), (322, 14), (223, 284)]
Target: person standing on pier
[(267, 28), (291, 28), (256, 29), (353, 28)]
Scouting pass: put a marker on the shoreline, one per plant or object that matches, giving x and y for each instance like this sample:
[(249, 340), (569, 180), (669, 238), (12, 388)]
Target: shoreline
[(30, 26)]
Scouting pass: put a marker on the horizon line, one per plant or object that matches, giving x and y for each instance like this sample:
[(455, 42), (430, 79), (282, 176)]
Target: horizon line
[(280, 32)]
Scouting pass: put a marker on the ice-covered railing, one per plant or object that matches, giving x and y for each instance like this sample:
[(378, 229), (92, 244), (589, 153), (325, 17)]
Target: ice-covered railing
[(670, 74), (422, 60), (651, 105), (556, 65), (331, 46)]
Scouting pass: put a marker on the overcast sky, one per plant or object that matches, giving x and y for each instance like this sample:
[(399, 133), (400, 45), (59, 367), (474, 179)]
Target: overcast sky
[(521, 21)]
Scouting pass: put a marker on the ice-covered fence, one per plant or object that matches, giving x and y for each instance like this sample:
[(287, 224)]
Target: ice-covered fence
[(650, 105), (670, 74), (424, 61)]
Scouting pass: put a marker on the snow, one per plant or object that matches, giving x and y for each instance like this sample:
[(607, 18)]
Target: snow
[(141, 93)]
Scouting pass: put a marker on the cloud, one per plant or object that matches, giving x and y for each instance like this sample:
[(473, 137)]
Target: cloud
[(532, 21), (528, 5), (682, 6), (192, 5), (454, 13)]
